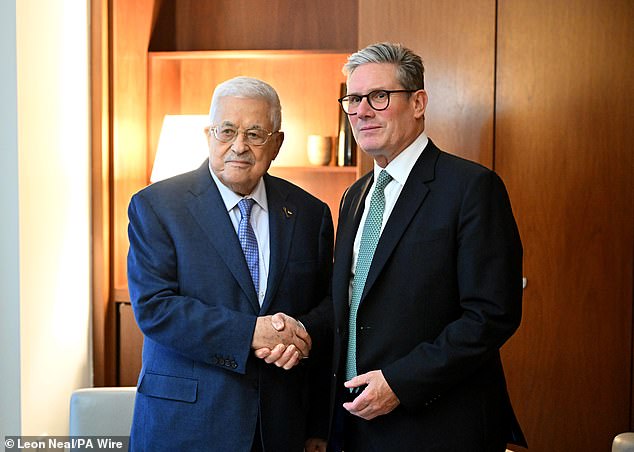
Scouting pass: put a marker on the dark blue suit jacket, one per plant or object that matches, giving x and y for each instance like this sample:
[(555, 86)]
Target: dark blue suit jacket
[(200, 387), (442, 295)]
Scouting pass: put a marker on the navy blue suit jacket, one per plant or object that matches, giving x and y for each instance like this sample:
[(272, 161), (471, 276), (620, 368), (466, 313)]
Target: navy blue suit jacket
[(442, 295), (200, 387)]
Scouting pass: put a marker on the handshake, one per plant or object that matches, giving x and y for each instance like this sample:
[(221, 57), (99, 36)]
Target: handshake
[(281, 340)]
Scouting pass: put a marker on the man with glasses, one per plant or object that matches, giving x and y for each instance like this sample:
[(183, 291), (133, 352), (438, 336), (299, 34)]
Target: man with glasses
[(427, 280), (229, 275)]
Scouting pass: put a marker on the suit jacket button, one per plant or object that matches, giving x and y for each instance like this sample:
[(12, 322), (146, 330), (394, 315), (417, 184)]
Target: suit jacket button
[(221, 361), (234, 365), (214, 360)]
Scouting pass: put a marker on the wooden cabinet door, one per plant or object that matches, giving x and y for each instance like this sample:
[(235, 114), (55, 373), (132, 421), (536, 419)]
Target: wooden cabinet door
[(564, 144)]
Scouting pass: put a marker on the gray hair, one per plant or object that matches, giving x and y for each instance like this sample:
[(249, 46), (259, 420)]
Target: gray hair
[(410, 71), (249, 88)]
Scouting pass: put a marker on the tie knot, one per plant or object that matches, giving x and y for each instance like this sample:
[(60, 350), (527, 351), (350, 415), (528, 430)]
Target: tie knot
[(245, 205), (382, 181)]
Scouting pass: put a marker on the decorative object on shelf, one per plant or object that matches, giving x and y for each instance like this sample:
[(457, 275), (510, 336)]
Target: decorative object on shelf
[(319, 149), (346, 144), (182, 146)]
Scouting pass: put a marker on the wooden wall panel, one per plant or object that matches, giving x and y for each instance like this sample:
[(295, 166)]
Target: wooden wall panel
[(565, 147), (132, 23), (130, 346), (326, 183), (164, 97), (456, 40), (258, 25), (103, 326)]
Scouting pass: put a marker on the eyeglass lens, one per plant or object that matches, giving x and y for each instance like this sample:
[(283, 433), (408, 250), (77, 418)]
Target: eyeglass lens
[(378, 100), (253, 136)]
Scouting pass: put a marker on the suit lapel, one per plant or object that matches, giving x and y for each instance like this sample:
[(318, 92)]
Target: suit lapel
[(349, 230), (346, 233), (409, 201), (209, 211), (282, 214)]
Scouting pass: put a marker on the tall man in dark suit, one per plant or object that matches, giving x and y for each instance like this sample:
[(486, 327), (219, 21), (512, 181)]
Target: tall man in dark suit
[(427, 281), (214, 253)]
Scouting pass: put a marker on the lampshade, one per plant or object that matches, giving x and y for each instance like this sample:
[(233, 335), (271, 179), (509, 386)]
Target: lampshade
[(182, 146)]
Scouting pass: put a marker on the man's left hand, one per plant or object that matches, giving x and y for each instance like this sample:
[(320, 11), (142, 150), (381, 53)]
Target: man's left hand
[(375, 400)]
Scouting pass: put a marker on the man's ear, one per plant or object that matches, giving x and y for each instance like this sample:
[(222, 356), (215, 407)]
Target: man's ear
[(279, 139), (420, 103), (208, 134)]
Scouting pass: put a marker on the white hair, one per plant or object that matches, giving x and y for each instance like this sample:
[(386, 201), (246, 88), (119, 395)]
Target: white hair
[(250, 88)]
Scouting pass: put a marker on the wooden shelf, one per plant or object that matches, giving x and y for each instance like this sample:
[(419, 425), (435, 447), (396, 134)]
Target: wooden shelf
[(245, 54), (316, 168)]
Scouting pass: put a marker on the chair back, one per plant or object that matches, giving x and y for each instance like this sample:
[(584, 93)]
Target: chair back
[(102, 411)]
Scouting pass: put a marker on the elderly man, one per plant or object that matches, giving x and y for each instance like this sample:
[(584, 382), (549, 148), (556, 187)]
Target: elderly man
[(226, 260)]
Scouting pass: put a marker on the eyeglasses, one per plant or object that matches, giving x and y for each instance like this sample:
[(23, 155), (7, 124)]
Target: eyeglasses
[(254, 136), (379, 100)]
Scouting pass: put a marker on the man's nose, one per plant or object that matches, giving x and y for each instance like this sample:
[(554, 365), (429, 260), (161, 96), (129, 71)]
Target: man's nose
[(240, 144), (364, 108)]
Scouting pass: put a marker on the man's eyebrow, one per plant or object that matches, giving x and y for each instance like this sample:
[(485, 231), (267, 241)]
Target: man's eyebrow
[(370, 91), (253, 126)]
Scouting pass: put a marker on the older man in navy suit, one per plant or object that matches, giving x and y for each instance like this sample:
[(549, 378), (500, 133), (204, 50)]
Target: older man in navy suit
[(225, 261), (427, 281)]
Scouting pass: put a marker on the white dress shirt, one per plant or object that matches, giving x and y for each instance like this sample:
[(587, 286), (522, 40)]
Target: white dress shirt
[(399, 169), (259, 223)]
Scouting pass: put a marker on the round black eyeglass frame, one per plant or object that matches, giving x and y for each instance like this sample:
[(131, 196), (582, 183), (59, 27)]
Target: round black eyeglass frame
[(344, 101)]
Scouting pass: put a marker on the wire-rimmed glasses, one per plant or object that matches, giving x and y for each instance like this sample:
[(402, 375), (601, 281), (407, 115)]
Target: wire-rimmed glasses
[(254, 136)]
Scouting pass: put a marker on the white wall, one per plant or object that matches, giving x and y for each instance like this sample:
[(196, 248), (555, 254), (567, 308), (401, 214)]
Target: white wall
[(9, 259), (54, 209)]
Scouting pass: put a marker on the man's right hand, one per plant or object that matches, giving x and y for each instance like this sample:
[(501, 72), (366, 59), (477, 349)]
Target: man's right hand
[(281, 339)]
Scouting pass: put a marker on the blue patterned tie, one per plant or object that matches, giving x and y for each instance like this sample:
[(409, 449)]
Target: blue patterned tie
[(369, 240), (248, 241)]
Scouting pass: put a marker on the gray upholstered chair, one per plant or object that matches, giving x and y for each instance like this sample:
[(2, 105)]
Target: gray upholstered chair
[(623, 442), (102, 411)]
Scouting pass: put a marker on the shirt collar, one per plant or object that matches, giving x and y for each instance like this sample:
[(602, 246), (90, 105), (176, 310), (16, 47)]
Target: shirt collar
[(231, 198), (402, 165)]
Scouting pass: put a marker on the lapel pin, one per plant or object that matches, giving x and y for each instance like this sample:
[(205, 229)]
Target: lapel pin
[(287, 212)]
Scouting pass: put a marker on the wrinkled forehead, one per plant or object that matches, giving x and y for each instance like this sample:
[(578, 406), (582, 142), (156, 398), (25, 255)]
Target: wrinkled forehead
[(242, 112)]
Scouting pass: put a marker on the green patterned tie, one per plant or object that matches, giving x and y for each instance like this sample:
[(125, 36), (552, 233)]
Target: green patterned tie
[(369, 239)]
